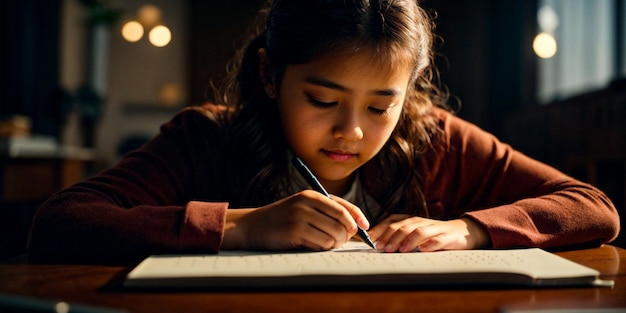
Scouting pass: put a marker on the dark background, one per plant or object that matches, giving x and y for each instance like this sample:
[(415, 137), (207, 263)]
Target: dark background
[(485, 61)]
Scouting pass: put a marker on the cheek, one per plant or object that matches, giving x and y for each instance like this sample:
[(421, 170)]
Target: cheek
[(302, 138), (379, 134), (288, 123), (299, 126)]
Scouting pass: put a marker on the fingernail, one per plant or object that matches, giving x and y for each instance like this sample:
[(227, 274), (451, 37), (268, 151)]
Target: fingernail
[(389, 247), (423, 246), (364, 221), (402, 247)]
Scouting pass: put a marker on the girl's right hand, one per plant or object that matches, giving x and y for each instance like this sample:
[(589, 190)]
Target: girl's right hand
[(306, 219)]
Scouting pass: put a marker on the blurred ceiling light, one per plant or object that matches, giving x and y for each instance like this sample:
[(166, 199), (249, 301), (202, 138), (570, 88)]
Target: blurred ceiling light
[(149, 15), (132, 31), (148, 18), (170, 94), (547, 19), (160, 36), (544, 45)]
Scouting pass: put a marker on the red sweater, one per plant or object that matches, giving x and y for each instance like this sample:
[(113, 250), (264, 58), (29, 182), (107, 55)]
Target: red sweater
[(149, 202)]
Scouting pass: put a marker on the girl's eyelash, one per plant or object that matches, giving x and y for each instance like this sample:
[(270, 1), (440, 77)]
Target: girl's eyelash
[(379, 111), (320, 104)]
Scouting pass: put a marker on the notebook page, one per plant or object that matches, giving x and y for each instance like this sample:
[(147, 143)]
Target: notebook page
[(356, 258)]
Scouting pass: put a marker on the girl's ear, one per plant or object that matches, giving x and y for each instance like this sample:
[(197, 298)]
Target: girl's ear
[(267, 77)]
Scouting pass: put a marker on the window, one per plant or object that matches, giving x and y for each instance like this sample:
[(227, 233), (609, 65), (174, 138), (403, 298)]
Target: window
[(588, 56)]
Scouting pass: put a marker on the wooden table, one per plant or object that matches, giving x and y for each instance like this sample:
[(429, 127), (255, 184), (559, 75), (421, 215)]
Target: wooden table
[(98, 285)]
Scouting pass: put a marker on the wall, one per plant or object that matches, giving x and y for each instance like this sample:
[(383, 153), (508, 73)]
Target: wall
[(218, 28), (485, 56), (28, 62), (134, 76), (72, 61)]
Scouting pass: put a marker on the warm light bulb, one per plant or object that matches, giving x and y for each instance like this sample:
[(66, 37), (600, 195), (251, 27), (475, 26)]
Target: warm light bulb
[(160, 36), (544, 45), (149, 15), (132, 31)]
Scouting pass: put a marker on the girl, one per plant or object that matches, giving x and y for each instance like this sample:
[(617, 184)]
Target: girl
[(346, 87)]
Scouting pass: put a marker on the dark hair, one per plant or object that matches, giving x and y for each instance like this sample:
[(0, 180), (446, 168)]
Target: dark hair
[(295, 32)]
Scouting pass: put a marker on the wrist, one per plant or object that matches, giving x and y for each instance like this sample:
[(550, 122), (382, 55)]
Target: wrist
[(479, 237), (234, 234)]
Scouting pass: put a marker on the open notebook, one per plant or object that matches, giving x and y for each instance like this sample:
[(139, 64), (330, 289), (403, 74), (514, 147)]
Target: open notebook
[(357, 265)]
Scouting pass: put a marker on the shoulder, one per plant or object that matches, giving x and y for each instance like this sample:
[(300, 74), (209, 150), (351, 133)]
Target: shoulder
[(457, 133), (204, 116), (213, 112), (450, 123), (459, 145), (193, 127)]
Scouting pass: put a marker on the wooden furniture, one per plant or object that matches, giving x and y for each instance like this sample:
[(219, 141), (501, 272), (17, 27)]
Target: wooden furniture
[(99, 285), (29, 178)]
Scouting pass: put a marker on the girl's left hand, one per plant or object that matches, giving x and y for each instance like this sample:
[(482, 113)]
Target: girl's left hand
[(405, 233)]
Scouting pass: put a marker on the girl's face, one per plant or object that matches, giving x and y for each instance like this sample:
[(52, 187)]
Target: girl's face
[(337, 112)]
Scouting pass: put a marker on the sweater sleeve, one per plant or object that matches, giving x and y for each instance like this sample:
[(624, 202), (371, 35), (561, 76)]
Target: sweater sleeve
[(518, 200), (147, 203)]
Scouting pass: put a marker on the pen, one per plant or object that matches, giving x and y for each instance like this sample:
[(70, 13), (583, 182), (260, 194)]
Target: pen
[(315, 184)]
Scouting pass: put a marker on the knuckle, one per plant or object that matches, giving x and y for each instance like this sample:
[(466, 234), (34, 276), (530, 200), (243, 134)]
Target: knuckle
[(304, 194), (328, 243), (395, 227), (408, 229), (338, 228), (414, 236), (439, 240), (308, 193)]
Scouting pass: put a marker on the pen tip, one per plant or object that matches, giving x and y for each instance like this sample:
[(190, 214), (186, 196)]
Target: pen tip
[(366, 238)]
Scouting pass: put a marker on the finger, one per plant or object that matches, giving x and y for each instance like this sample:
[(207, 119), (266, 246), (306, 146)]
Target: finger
[(354, 211), (313, 241), (334, 233), (376, 231), (329, 217), (398, 237), (394, 233), (333, 209), (379, 229), (449, 235), (312, 233), (304, 223), (421, 237), (435, 243), (383, 238), (319, 241)]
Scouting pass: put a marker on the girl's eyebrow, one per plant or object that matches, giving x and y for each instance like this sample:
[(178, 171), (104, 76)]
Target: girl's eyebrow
[(332, 85)]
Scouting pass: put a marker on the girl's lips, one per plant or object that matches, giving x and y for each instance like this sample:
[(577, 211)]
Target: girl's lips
[(339, 156)]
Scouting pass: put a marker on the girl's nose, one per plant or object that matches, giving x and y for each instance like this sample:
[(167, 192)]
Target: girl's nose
[(347, 126)]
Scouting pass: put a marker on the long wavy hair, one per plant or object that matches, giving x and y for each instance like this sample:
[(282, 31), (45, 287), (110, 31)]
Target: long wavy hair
[(295, 32)]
